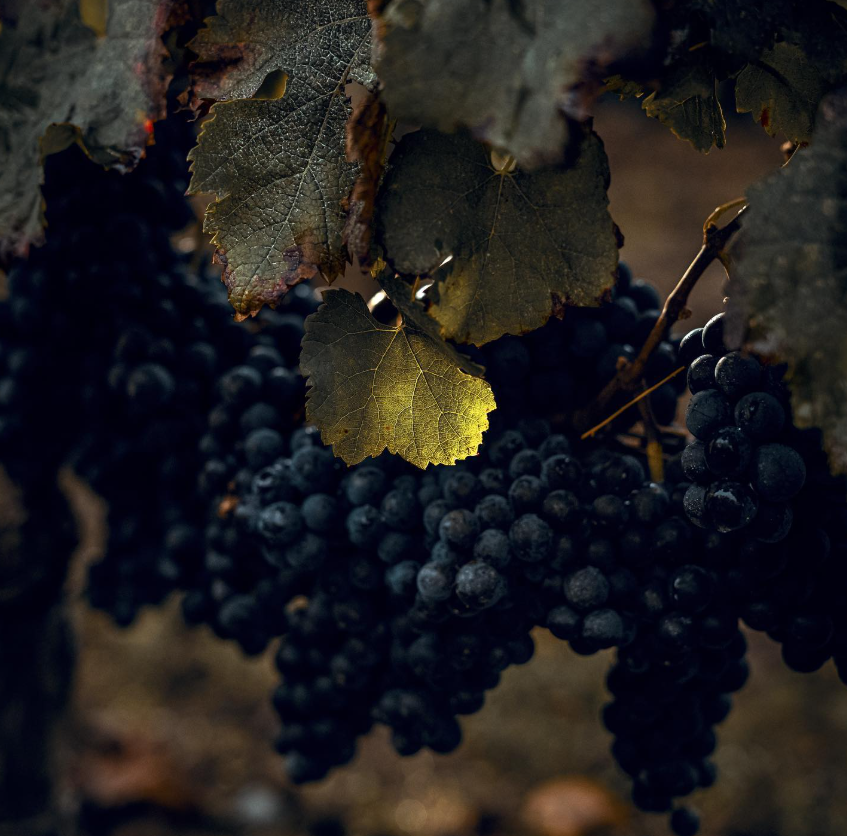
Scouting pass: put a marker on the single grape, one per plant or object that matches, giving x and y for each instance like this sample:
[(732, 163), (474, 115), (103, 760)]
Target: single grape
[(729, 452), (701, 373), (729, 505), (691, 347), (737, 374), (779, 472), (713, 333), (707, 412), (586, 589), (480, 585), (760, 416)]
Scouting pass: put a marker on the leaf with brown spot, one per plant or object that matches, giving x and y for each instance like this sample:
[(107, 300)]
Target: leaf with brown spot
[(522, 243), (782, 90), (277, 167)]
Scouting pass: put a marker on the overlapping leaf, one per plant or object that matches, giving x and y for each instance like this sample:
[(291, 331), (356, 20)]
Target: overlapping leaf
[(522, 244), (509, 71), (688, 104), (782, 90), (60, 83), (789, 276), (375, 387), (278, 167)]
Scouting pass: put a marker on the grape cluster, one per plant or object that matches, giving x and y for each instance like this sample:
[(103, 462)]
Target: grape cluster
[(447, 572), (743, 463), (258, 400), (235, 392), (559, 368), (95, 361), (71, 298), (398, 596), (112, 354), (753, 472)]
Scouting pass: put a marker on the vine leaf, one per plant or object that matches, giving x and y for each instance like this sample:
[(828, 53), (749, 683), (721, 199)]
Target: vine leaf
[(508, 71), (60, 84), (522, 244), (247, 41), (688, 104), (277, 166), (375, 387), (782, 90), (789, 276)]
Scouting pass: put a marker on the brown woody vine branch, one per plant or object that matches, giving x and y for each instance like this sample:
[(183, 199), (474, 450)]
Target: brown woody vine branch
[(629, 375)]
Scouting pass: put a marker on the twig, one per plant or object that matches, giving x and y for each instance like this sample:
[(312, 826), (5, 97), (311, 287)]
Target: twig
[(628, 377), (628, 404), (721, 210)]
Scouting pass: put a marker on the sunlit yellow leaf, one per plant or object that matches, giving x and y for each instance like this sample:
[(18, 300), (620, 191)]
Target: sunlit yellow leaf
[(375, 387)]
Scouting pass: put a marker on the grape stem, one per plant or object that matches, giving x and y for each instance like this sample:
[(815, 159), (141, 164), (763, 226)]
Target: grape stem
[(629, 375), (637, 399), (655, 462)]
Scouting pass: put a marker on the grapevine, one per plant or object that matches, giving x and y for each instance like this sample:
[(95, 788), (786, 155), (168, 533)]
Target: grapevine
[(392, 495)]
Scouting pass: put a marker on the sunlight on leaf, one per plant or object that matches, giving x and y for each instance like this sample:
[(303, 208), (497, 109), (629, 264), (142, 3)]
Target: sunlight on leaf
[(522, 244), (374, 387)]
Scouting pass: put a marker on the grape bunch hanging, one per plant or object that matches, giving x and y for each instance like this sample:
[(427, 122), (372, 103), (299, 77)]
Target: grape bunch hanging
[(397, 596)]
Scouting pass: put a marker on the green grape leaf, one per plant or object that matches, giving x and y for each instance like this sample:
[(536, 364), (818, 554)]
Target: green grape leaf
[(248, 41), (789, 276), (523, 244), (375, 387), (688, 103), (61, 83), (278, 167), (509, 71), (782, 90)]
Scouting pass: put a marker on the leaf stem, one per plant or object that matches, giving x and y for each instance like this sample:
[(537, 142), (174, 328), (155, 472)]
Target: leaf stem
[(714, 242)]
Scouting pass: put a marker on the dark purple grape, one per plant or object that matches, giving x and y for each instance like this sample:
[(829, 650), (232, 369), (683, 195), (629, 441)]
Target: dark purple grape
[(729, 453), (729, 505), (707, 412)]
